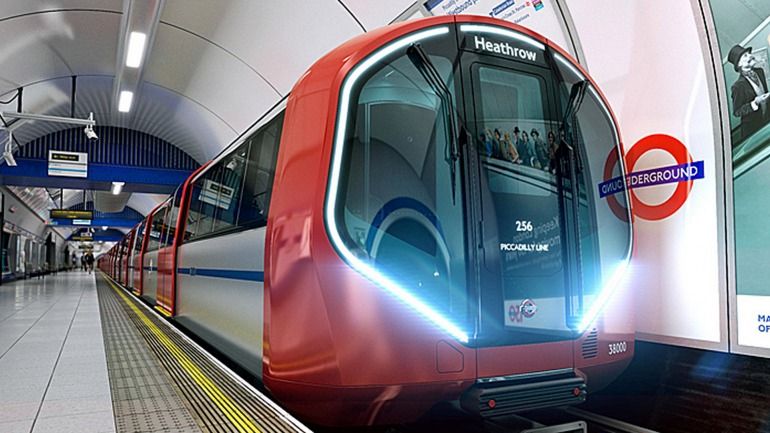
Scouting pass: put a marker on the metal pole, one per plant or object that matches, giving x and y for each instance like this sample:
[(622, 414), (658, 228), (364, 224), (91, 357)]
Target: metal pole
[(72, 97), (3, 250), (45, 118)]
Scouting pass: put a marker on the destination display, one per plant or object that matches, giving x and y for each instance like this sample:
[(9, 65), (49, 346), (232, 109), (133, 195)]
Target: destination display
[(67, 164), (71, 214)]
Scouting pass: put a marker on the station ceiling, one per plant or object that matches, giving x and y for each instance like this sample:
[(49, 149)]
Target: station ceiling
[(211, 68)]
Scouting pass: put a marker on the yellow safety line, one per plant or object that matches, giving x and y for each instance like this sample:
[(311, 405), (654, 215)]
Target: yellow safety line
[(231, 410), (162, 311)]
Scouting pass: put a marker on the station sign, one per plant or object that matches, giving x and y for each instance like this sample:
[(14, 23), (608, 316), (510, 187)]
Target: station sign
[(71, 214), (82, 238), (67, 164)]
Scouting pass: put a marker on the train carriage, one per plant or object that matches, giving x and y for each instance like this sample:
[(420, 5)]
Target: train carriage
[(420, 221)]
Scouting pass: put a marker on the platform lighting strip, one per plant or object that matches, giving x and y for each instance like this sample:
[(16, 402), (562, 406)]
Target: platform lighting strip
[(125, 101), (331, 203), (480, 28), (135, 52), (117, 187)]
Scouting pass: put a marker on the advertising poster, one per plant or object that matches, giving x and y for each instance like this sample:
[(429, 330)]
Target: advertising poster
[(541, 16), (743, 35)]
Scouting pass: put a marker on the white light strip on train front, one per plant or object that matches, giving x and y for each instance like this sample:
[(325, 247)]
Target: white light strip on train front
[(617, 275), (606, 292), (567, 64), (334, 179), (479, 28)]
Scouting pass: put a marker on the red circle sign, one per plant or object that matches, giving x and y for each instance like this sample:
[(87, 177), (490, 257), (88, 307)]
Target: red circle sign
[(661, 211)]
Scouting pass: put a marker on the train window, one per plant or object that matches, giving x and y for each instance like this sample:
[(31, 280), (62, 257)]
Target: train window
[(400, 203), (234, 194), (156, 229), (225, 192), (591, 135), (260, 171), (193, 213), (171, 218), (520, 196), (139, 237)]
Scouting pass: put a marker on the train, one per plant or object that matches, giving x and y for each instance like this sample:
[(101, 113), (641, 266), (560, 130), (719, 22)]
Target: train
[(418, 222)]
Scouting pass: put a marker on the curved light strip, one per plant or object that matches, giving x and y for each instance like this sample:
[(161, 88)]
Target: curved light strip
[(480, 28), (612, 283), (567, 64), (334, 179), (604, 295)]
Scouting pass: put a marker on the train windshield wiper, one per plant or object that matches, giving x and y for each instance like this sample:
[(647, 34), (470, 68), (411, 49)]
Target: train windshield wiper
[(576, 95), (431, 75)]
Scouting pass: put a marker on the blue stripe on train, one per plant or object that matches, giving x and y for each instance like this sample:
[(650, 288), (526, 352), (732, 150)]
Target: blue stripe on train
[(258, 276)]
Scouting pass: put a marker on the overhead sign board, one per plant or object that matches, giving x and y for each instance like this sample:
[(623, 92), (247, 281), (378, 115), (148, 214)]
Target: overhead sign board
[(72, 214), (67, 164), (82, 238)]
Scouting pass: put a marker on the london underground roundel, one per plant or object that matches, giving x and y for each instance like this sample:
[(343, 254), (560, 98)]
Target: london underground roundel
[(683, 173)]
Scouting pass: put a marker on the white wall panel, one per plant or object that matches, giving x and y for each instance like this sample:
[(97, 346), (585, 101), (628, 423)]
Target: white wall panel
[(209, 76), (58, 44), (279, 39), (649, 62), (377, 13), (11, 8)]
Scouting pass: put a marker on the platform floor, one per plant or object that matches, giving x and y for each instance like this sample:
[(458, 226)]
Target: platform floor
[(80, 354), (53, 370)]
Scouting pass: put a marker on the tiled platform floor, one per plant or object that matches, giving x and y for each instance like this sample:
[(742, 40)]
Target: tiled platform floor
[(53, 370)]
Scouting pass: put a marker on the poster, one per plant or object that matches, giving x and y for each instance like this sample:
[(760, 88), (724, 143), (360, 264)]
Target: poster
[(743, 36)]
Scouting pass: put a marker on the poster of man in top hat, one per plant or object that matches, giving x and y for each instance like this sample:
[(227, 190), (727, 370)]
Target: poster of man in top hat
[(749, 91)]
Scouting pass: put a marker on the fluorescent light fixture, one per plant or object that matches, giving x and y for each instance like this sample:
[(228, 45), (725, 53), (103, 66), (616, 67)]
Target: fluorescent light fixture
[(126, 98), (362, 267), (117, 187), (481, 28), (135, 52)]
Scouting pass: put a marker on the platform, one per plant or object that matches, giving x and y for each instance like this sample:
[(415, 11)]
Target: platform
[(79, 354)]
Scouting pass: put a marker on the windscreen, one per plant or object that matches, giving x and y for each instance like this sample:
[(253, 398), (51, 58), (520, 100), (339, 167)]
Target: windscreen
[(400, 206)]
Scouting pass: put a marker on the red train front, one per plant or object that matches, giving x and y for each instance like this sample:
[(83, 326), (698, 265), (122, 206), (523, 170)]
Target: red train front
[(439, 214), (437, 230)]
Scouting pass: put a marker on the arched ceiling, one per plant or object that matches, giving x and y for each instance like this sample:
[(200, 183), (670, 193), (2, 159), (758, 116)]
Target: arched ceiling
[(213, 67)]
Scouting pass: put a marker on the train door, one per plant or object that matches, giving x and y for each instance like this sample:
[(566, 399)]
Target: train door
[(166, 262), (524, 255), (137, 260), (150, 257)]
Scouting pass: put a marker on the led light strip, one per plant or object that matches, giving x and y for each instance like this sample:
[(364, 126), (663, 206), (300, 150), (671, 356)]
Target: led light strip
[(334, 179)]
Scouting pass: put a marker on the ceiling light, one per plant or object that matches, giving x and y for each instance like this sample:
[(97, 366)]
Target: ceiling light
[(126, 98), (104, 228), (117, 187), (136, 42)]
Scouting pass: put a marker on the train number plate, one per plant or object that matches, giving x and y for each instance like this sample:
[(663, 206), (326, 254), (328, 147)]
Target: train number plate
[(617, 348)]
